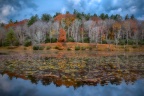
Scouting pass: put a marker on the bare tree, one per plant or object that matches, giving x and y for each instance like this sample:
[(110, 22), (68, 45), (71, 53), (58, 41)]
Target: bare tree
[(38, 32)]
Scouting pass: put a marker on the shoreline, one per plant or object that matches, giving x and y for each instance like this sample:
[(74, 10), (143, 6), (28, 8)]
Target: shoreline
[(71, 46)]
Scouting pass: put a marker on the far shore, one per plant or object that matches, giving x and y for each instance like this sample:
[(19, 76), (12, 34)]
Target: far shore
[(71, 46)]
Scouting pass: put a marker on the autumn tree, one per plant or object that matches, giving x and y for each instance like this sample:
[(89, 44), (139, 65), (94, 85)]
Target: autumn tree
[(62, 35), (2, 35), (117, 29)]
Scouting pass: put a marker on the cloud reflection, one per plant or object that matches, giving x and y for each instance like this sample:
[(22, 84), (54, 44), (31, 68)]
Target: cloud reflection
[(20, 87)]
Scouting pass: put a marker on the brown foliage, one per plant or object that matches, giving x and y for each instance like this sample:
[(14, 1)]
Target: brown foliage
[(62, 35), (15, 24), (68, 18)]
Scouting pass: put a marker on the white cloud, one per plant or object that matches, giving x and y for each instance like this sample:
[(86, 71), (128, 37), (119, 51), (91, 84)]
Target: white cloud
[(141, 18), (76, 2), (63, 10), (133, 9), (6, 10)]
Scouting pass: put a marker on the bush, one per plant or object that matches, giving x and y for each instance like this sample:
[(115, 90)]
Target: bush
[(83, 48), (48, 48), (131, 42), (141, 42), (70, 39), (38, 47), (16, 43), (134, 46), (27, 43), (5, 43), (68, 48), (122, 42), (77, 47), (52, 40), (90, 48), (104, 42), (86, 40)]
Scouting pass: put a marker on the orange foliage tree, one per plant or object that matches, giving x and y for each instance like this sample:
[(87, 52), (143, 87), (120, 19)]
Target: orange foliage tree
[(62, 35)]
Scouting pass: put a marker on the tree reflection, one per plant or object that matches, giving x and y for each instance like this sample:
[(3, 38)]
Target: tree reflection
[(77, 71)]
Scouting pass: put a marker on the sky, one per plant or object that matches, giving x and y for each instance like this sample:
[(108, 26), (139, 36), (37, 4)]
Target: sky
[(20, 87), (24, 9)]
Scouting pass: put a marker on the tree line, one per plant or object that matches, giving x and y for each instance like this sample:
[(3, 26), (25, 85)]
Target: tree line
[(76, 27)]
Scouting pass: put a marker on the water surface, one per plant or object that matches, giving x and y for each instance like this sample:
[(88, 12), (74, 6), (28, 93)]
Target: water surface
[(74, 73)]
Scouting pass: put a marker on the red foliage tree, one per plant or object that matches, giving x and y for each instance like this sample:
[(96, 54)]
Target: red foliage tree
[(62, 35)]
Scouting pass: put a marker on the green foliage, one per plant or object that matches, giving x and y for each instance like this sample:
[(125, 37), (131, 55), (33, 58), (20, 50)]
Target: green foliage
[(86, 40), (46, 17), (68, 48), (52, 40), (27, 43), (48, 47), (131, 42), (77, 47), (10, 37), (141, 42), (38, 47), (126, 17), (132, 16), (104, 42), (57, 47), (70, 39), (102, 16), (122, 42), (83, 48), (32, 20)]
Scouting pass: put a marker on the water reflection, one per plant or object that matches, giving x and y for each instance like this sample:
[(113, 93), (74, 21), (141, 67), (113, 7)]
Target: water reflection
[(72, 74), (20, 87)]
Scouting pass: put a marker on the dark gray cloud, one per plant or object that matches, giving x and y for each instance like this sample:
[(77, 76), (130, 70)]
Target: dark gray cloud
[(10, 9), (122, 7), (21, 9)]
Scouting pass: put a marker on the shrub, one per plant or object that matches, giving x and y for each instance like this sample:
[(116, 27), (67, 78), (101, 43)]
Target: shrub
[(90, 48), (131, 42), (52, 40), (141, 42), (83, 48), (16, 43), (122, 42), (86, 40), (104, 42), (27, 43), (5, 43), (77, 47), (134, 46), (68, 48), (48, 48), (38, 47), (70, 39)]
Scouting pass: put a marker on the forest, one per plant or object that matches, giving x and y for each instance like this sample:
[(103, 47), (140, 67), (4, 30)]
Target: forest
[(75, 27)]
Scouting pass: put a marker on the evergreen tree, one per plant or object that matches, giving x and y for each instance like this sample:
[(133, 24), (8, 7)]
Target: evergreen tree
[(102, 16), (126, 17), (11, 38), (32, 20), (132, 16), (46, 17)]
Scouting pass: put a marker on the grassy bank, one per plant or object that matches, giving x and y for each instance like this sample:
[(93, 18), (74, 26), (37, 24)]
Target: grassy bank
[(77, 46)]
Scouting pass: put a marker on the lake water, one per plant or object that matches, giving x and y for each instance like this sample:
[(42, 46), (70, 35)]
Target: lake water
[(71, 73)]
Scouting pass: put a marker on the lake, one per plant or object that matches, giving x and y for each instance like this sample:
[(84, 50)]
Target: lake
[(71, 73)]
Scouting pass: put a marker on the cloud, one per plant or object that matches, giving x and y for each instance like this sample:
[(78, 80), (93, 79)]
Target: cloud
[(122, 7), (10, 9), (21, 9)]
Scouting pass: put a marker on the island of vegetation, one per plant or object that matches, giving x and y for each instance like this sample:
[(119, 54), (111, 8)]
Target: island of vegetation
[(74, 31)]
